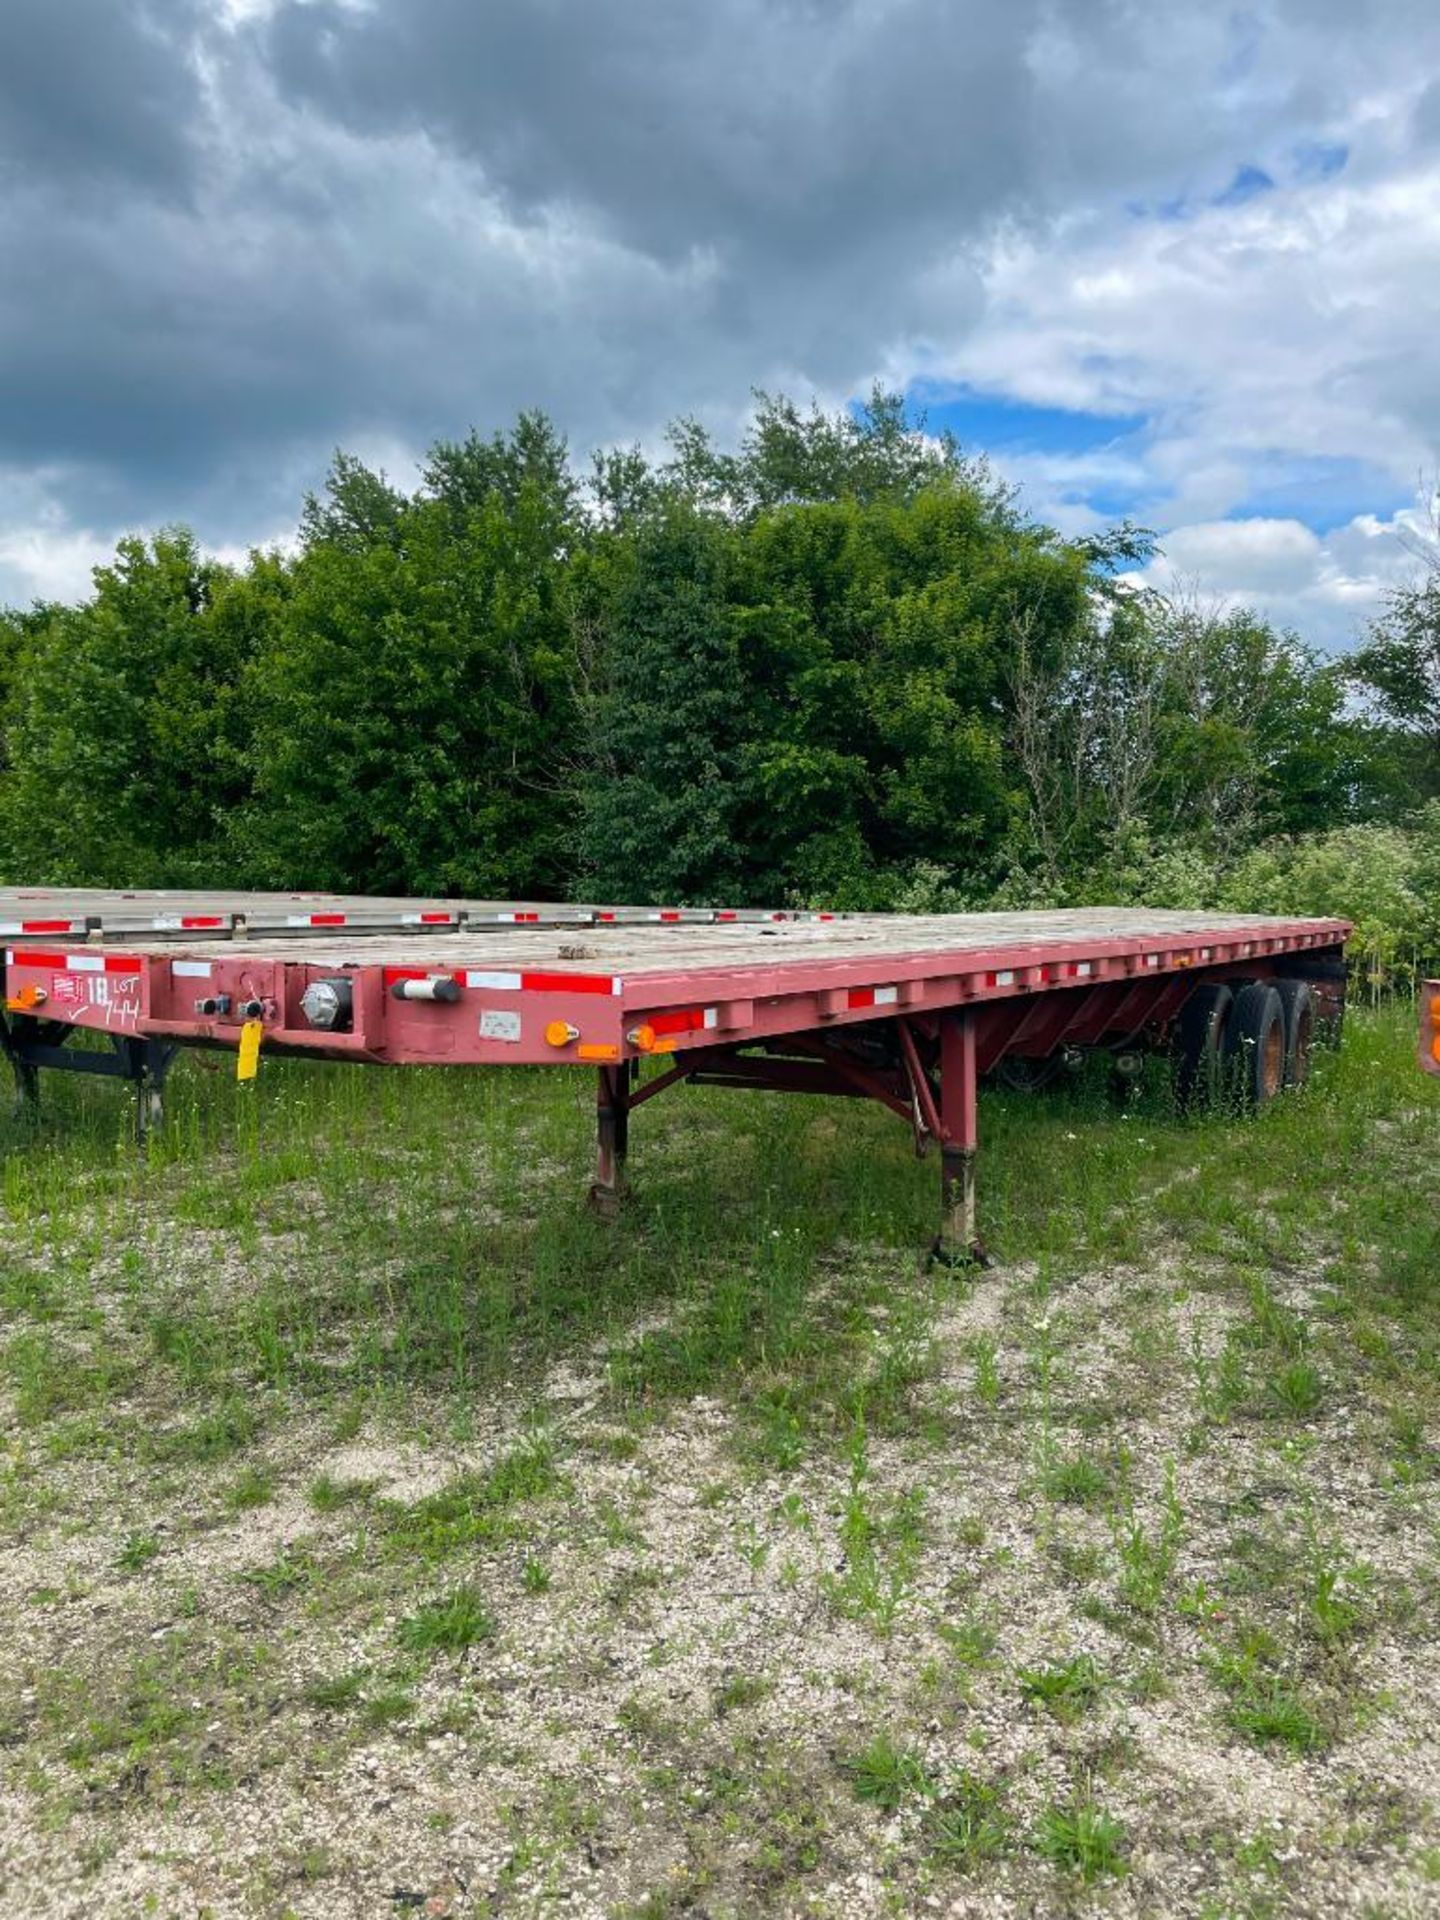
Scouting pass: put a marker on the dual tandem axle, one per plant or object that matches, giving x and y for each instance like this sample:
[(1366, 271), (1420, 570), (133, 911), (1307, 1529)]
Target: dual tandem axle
[(909, 1010)]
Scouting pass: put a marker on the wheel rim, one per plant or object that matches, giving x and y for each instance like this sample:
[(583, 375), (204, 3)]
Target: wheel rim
[(1300, 1066), (1272, 1063)]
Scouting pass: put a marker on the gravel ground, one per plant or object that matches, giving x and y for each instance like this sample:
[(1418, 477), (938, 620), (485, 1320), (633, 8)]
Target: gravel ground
[(691, 1655)]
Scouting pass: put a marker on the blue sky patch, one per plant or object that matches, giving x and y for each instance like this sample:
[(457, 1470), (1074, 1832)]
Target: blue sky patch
[(1321, 493), (989, 423), (1248, 182), (1320, 159)]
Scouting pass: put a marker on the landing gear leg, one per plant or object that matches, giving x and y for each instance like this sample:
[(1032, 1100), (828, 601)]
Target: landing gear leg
[(612, 1116), (958, 1242), (147, 1064)]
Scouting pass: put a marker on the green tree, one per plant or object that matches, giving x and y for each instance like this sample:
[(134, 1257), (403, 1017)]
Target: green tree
[(119, 724), (788, 457), (667, 719), (413, 720), (1164, 725), (1399, 670), (803, 704)]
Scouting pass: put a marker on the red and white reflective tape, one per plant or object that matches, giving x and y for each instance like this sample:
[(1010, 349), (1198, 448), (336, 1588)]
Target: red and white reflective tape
[(1005, 979), (315, 920), (510, 919), (188, 922), (429, 919), (872, 997), (684, 1020), (191, 969), (76, 962), (545, 982), (13, 927)]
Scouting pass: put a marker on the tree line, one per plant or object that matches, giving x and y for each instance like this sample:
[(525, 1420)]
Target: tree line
[(837, 665)]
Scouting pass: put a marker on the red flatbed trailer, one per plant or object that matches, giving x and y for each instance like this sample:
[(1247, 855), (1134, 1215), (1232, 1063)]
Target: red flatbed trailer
[(1430, 1026), (907, 1009)]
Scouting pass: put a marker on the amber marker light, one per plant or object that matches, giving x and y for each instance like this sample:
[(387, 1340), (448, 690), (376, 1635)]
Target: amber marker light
[(559, 1033)]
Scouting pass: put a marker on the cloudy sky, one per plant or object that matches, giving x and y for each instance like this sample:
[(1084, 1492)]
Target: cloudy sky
[(1176, 261)]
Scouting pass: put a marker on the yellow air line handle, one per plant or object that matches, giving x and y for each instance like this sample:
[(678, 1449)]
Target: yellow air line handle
[(247, 1061)]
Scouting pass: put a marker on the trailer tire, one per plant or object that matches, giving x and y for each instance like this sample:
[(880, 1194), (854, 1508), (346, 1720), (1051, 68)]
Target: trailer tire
[(1327, 978), (1255, 1044), (1298, 1004), (1020, 1073), (1200, 1030)]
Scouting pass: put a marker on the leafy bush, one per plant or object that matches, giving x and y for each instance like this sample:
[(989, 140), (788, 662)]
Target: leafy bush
[(1384, 878)]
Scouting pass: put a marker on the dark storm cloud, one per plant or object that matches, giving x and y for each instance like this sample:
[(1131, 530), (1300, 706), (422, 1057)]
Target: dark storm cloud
[(726, 123), (390, 221), (228, 247), (97, 94)]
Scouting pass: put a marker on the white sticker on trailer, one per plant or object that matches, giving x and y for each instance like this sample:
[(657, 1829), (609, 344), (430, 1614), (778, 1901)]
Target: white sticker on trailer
[(498, 1023)]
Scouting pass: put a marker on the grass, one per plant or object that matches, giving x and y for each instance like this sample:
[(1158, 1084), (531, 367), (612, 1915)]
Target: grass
[(1081, 1839), (1297, 1388), (886, 1775), (726, 1555), (968, 1824), (1078, 1481), (452, 1624), (1067, 1687), (474, 1507)]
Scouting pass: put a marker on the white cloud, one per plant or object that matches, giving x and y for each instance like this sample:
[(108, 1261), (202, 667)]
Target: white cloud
[(1325, 586), (1302, 323), (47, 563)]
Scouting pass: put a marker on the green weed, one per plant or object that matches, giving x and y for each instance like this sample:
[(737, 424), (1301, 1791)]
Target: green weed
[(1066, 1688), (967, 1823), (886, 1775), (1081, 1839), (453, 1624)]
